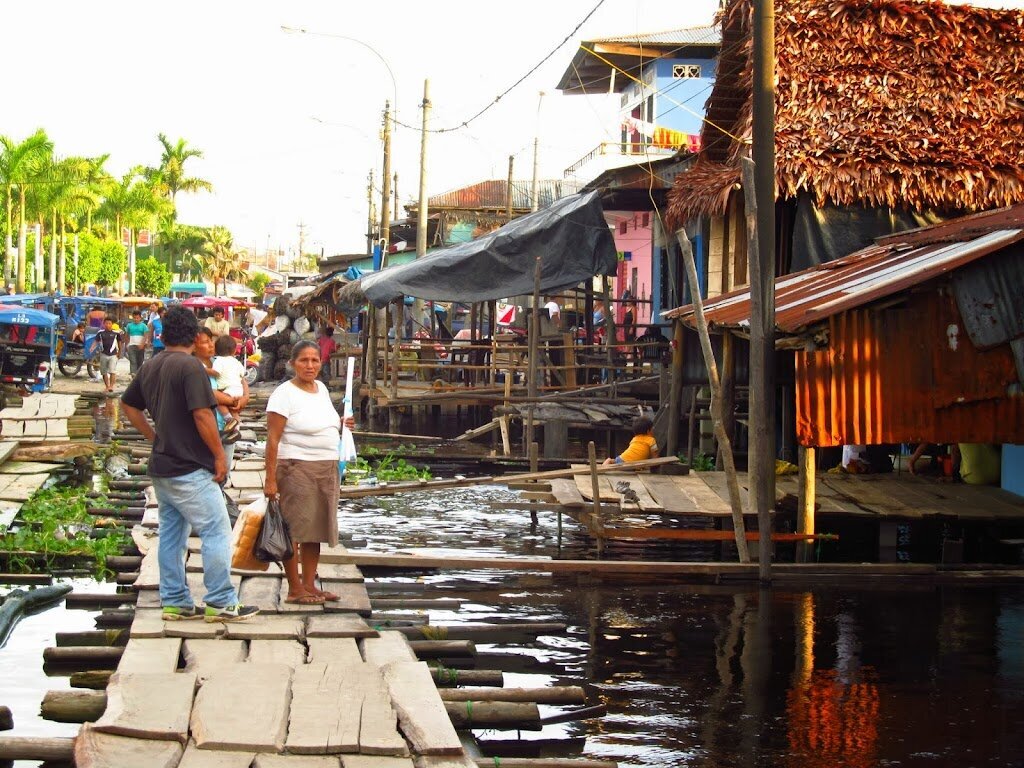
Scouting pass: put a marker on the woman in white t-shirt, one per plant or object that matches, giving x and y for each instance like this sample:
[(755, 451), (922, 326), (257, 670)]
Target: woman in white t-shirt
[(302, 469)]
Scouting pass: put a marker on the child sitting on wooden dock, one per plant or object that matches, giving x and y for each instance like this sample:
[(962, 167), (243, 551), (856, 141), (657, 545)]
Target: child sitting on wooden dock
[(643, 446)]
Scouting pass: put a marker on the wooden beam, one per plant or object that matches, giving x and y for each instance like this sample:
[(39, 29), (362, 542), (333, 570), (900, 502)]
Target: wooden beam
[(805, 501)]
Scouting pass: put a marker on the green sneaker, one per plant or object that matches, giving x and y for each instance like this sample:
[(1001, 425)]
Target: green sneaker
[(230, 612), (178, 613)]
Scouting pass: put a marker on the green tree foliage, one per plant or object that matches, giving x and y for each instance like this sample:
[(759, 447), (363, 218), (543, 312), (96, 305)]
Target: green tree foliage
[(100, 261), (152, 277), (258, 283)]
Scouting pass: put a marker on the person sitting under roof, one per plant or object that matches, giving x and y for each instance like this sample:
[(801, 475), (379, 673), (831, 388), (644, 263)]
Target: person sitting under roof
[(643, 446)]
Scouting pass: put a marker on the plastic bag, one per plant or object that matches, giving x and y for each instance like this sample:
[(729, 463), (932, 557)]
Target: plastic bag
[(244, 536), (274, 544)]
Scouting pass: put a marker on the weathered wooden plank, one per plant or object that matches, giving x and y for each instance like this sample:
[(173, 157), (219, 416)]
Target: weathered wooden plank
[(267, 628), (378, 724), (147, 623), (566, 493), (210, 758), (198, 589), (326, 706), (291, 653), (585, 488), (261, 591), (352, 598), (243, 707), (203, 657), (273, 569), (8, 511), (149, 571), (387, 648), (339, 572), (193, 629), (23, 486), (150, 655), (94, 749), (338, 625), (25, 467), (296, 761), (149, 705), (635, 481), (377, 761), (448, 761), (283, 606), (246, 479), (148, 598), (669, 495), (421, 713), (336, 650), (708, 491)]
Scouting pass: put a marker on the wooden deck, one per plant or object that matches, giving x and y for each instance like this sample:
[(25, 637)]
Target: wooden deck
[(293, 681), (880, 496)]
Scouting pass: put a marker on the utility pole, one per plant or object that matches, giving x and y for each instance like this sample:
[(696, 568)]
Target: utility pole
[(375, 315), (370, 223), (508, 191), (760, 195), (421, 210), (536, 153), (302, 244)]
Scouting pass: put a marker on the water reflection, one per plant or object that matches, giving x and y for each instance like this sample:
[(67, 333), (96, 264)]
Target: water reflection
[(700, 675)]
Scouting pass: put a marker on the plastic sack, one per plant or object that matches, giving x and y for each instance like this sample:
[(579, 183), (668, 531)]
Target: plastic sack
[(274, 544), (244, 535), (301, 325)]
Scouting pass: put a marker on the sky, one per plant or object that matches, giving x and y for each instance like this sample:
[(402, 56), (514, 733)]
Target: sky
[(289, 122)]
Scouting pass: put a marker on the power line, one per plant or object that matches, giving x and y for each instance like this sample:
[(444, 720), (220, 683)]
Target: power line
[(508, 90)]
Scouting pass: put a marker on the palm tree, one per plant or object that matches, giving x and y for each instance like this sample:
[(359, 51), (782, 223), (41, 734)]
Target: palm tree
[(186, 245), (19, 163), (134, 203), (170, 175), (222, 261), (57, 194)]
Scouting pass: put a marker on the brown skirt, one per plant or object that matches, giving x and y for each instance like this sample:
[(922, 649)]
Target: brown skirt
[(309, 499)]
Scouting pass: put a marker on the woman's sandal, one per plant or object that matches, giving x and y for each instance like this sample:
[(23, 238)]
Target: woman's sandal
[(305, 600), (329, 597)]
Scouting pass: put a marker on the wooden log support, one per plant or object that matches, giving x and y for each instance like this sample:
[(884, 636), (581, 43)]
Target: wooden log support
[(559, 694), (493, 714), (45, 749), (77, 706), (101, 637), (805, 502), (83, 656), (596, 527), (439, 649), (91, 600), (446, 677), (95, 679)]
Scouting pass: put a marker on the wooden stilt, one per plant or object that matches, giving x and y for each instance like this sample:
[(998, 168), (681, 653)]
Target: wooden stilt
[(805, 503), (598, 527)]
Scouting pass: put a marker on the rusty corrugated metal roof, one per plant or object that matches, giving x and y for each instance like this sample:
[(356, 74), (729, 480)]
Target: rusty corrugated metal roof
[(894, 264)]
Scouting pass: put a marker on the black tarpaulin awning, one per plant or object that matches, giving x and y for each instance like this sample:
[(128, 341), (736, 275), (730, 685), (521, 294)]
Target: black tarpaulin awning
[(570, 236)]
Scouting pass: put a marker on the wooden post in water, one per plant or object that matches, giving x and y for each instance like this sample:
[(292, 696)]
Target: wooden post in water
[(805, 503), (675, 395), (728, 391), (717, 418), (533, 346), (396, 358), (595, 486), (370, 371)]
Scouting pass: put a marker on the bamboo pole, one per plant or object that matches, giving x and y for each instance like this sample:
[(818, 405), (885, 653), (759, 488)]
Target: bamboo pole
[(595, 486), (716, 398), (534, 334)]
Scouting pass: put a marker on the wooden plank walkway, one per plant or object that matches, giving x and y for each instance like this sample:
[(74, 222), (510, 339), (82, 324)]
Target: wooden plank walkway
[(704, 494), (283, 688)]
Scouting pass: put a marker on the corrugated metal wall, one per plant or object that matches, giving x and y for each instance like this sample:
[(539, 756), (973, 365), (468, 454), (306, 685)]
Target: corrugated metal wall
[(906, 374)]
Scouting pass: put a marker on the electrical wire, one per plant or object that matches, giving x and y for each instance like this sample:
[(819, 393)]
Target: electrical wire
[(512, 87)]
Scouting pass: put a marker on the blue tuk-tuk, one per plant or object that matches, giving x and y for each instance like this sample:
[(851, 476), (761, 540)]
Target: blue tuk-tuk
[(71, 354), (28, 347)]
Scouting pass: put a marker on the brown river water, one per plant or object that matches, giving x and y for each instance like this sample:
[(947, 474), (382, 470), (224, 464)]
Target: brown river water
[(691, 675)]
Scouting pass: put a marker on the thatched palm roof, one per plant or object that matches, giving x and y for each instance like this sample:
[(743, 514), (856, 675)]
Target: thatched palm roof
[(880, 102)]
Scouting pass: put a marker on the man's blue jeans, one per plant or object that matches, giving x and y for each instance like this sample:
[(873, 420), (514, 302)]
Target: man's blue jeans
[(193, 502)]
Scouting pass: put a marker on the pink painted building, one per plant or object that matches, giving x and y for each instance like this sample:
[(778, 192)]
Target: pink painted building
[(633, 239)]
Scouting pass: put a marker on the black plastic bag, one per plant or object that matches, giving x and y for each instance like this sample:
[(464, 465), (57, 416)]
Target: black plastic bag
[(274, 544)]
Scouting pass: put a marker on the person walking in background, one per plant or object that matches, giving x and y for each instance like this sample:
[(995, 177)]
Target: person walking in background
[(108, 345), (136, 330), (327, 348), (96, 317), (156, 332), (186, 465), (303, 431)]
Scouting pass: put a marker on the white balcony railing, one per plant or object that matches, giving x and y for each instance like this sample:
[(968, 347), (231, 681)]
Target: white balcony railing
[(618, 151)]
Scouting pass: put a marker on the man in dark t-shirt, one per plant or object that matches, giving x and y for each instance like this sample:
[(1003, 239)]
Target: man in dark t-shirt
[(186, 465)]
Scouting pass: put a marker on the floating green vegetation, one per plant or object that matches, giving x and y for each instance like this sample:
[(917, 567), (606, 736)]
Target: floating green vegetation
[(55, 524), (701, 462), (388, 468)]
